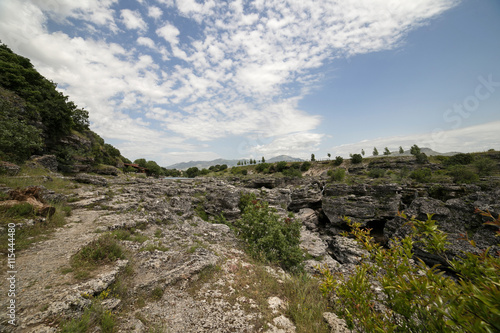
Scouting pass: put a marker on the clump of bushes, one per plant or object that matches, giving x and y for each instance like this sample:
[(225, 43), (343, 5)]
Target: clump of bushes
[(337, 175), (338, 160), (462, 175), (356, 158), (459, 159), (267, 236), (376, 173), (413, 297), (423, 175), (305, 166)]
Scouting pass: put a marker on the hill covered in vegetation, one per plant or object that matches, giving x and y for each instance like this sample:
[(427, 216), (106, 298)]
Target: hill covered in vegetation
[(36, 119)]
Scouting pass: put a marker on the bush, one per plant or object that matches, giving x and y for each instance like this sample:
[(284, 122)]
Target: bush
[(485, 166), (338, 160), (261, 167), (305, 166), (421, 158), (423, 175), (280, 166), (376, 173), (267, 236), (292, 173), (356, 158), (103, 250), (459, 159), (413, 297), (462, 175), (337, 174)]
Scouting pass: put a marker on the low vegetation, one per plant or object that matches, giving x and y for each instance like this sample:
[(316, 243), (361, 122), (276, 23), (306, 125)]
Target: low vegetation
[(413, 297)]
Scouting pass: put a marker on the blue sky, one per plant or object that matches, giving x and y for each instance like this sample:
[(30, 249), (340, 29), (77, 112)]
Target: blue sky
[(173, 81)]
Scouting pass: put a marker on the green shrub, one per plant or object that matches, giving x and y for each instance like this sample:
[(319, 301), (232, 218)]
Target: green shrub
[(423, 175), (421, 158), (267, 236), (462, 175), (338, 160), (356, 158), (337, 175), (292, 173), (305, 166), (414, 297), (485, 166), (459, 159), (261, 167), (376, 173), (280, 166)]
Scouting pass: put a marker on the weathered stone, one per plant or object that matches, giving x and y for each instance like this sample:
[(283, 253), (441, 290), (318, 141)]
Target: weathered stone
[(88, 179), (47, 161), (337, 325), (10, 169)]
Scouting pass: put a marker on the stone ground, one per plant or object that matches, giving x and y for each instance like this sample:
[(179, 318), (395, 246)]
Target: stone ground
[(182, 274)]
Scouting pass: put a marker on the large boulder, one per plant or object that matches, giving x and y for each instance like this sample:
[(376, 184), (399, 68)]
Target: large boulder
[(10, 169)]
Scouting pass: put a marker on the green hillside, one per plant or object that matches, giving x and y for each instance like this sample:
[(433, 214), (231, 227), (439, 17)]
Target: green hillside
[(36, 119)]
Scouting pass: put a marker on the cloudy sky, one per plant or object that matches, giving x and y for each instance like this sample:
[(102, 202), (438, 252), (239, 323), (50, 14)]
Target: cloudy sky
[(180, 80)]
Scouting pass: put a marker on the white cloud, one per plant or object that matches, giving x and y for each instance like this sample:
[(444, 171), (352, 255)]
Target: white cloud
[(468, 139), (155, 12), (242, 72), (145, 41), (170, 33), (133, 20)]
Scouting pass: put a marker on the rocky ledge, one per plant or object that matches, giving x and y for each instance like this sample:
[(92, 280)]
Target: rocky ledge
[(186, 272)]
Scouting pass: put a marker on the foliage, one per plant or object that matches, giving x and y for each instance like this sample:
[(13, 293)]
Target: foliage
[(154, 169), (338, 160), (305, 166), (421, 158), (485, 166), (192, 172), (376, 173), (18, 139), (261, 167), (462, 175), (422, 175), (280, 166), (415, 150), (356, 158), (387, 151), (459, 159), (292, 172), (337, 174), (412, 296), (313, 158), (401, 150), (375, 151), (267, 236)]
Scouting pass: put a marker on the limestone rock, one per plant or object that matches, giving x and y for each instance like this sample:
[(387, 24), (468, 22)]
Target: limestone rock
[(88, 179), (336, 324)]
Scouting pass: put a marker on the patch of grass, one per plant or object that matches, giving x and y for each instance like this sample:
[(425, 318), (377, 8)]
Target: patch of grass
[(93, 317), (157, 293), (36, 177), (158, 233), (306, 303), (101, 251), (28, 235), (152, 247)]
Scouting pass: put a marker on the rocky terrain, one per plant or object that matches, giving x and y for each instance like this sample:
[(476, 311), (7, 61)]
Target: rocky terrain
[(185, 271)]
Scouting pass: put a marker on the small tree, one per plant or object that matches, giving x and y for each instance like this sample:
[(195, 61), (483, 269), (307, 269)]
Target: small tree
[(263, 159), (415, 150), (387, 151), (339, 160), (329, 155), (362, 152), (313, 158), (356, 158), (401, 150), (375, 151)]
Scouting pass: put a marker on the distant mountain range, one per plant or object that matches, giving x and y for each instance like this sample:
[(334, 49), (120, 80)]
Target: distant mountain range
[(229, 163)]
